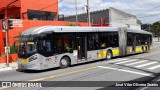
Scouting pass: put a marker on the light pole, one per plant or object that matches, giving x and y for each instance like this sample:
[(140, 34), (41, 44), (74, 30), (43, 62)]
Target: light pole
[(6, 17), (76, 13), (88, 12)]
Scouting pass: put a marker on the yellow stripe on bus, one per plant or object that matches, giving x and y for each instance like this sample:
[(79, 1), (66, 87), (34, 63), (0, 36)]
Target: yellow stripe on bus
[(24, 60), (102, 54), (138, 49), (30, 42), (130, 50), (115, 52)]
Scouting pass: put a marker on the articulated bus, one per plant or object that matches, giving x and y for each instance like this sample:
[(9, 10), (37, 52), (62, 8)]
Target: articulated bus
[(60, 46)]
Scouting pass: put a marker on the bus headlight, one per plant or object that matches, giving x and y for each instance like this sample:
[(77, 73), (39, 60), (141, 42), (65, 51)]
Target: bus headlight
[(32, 58)]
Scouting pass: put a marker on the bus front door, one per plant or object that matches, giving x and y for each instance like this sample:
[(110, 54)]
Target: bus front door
[(82, 47)]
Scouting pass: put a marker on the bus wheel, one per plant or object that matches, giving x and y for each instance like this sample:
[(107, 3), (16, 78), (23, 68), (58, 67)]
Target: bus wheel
[(109, 55), (64, 62), (146, 49), (142, 49)]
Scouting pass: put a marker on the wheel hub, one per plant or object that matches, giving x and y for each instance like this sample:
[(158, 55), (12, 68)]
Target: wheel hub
[(64, 62)]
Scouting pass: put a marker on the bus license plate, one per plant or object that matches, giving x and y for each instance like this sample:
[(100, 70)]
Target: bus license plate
[(23, 60)]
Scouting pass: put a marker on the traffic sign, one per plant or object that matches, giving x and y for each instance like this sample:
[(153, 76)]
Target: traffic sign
[(8, 24), (7, 49), (17, 22), (4, 24)]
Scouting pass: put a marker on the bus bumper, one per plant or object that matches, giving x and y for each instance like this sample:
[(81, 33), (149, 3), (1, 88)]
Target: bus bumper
[(27, 66)]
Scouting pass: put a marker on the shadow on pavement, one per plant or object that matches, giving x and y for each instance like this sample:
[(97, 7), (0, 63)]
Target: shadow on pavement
[(144, 80)]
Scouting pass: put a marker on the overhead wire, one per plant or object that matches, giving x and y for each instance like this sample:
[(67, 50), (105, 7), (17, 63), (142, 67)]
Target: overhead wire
[(148, 10), (149, 15)]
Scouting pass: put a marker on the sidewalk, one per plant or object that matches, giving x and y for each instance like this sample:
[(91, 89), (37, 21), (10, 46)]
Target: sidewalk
[(155, 39), (3, 66)]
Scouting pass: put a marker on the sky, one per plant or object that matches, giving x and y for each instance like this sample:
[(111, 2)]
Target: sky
[(148, 11)]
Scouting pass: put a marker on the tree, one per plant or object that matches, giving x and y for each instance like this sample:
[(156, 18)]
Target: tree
[(156, 29), (146, 27)]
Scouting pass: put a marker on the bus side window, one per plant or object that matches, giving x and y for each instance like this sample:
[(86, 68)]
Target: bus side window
[(102, 40), (93, 42), (46, 46), (58, 48), (68, 40), (129, 39), (43, 49)]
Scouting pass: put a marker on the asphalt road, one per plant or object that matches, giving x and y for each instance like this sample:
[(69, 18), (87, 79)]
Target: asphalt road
[(99, 75)]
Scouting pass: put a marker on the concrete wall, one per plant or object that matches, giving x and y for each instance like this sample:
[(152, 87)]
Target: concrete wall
[(95, 17), (122, 19), (111, 16)]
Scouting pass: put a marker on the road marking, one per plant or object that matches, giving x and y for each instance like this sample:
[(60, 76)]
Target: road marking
[(117, 60), (146, 64), (58, 75), (129, 71), (154, 67), (87, 69), (150, 54), (137, 62), (127, 61), (63, 74)]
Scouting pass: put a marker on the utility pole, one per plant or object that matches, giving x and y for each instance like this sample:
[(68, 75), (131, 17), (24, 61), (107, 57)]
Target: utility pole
[(6, 17), (149, 27), (88, 12), (7, 52), (76, 13)]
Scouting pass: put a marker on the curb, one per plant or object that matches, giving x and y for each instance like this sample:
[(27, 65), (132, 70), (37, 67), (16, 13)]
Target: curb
[(7, 68)]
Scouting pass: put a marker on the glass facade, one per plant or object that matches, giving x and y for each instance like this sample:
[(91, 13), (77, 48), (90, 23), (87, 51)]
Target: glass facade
[(41, 15)]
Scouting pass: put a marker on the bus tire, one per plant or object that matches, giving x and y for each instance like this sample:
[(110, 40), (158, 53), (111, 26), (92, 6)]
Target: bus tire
[(146, 49), (64, 62), (109, 54), (143, 49)]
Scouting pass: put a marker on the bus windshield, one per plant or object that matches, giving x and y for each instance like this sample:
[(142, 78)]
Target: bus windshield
[(26, 49), (27, 46)]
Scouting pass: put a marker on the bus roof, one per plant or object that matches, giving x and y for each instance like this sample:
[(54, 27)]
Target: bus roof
[(60, 29), (138, 31)]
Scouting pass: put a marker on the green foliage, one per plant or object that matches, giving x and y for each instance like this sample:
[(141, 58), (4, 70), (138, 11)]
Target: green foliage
[(146, 27), (154, 28), (13, 49), (71, 24)]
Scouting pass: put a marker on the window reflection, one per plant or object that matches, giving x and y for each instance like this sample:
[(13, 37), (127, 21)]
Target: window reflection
[(41, 15)]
